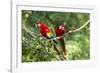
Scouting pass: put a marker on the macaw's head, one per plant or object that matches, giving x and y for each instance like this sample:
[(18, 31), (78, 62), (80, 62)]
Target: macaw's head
[(39, 24), (63, 27), (43, 27), (60, 30)]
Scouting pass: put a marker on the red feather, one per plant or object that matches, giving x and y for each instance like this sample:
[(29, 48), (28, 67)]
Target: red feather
[(60, 31), (43, 29)]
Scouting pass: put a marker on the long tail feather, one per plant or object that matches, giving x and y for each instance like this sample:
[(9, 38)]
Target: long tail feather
[(63, 45), (55, 48)]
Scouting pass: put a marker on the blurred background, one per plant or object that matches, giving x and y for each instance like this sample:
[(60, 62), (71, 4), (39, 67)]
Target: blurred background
[(35, 49)]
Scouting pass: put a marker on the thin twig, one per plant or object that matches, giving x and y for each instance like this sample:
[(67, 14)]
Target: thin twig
[(80, 27)]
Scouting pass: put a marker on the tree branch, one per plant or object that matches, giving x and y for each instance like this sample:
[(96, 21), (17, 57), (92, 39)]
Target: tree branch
[(80, 27)]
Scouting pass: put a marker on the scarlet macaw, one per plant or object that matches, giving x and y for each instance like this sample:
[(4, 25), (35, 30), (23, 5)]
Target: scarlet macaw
[(60, 31), (47, 33)]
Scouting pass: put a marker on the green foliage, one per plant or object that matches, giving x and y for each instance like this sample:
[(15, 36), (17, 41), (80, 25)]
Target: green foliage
[(35, 49)]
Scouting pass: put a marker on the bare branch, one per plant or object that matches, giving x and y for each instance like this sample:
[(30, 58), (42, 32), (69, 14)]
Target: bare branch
[(80, 27)]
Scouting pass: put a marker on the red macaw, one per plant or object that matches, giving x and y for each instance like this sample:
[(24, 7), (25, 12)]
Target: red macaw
[(60, 31), (47, 33)]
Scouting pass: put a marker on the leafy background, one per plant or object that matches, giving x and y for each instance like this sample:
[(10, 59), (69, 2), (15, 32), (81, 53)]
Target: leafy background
[(35, 49)]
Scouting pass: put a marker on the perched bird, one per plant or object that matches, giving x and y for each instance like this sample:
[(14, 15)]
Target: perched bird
[(60, 31), (47, 33)]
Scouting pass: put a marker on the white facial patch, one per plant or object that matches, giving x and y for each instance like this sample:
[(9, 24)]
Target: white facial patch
[(39, 25), (60, 27)]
